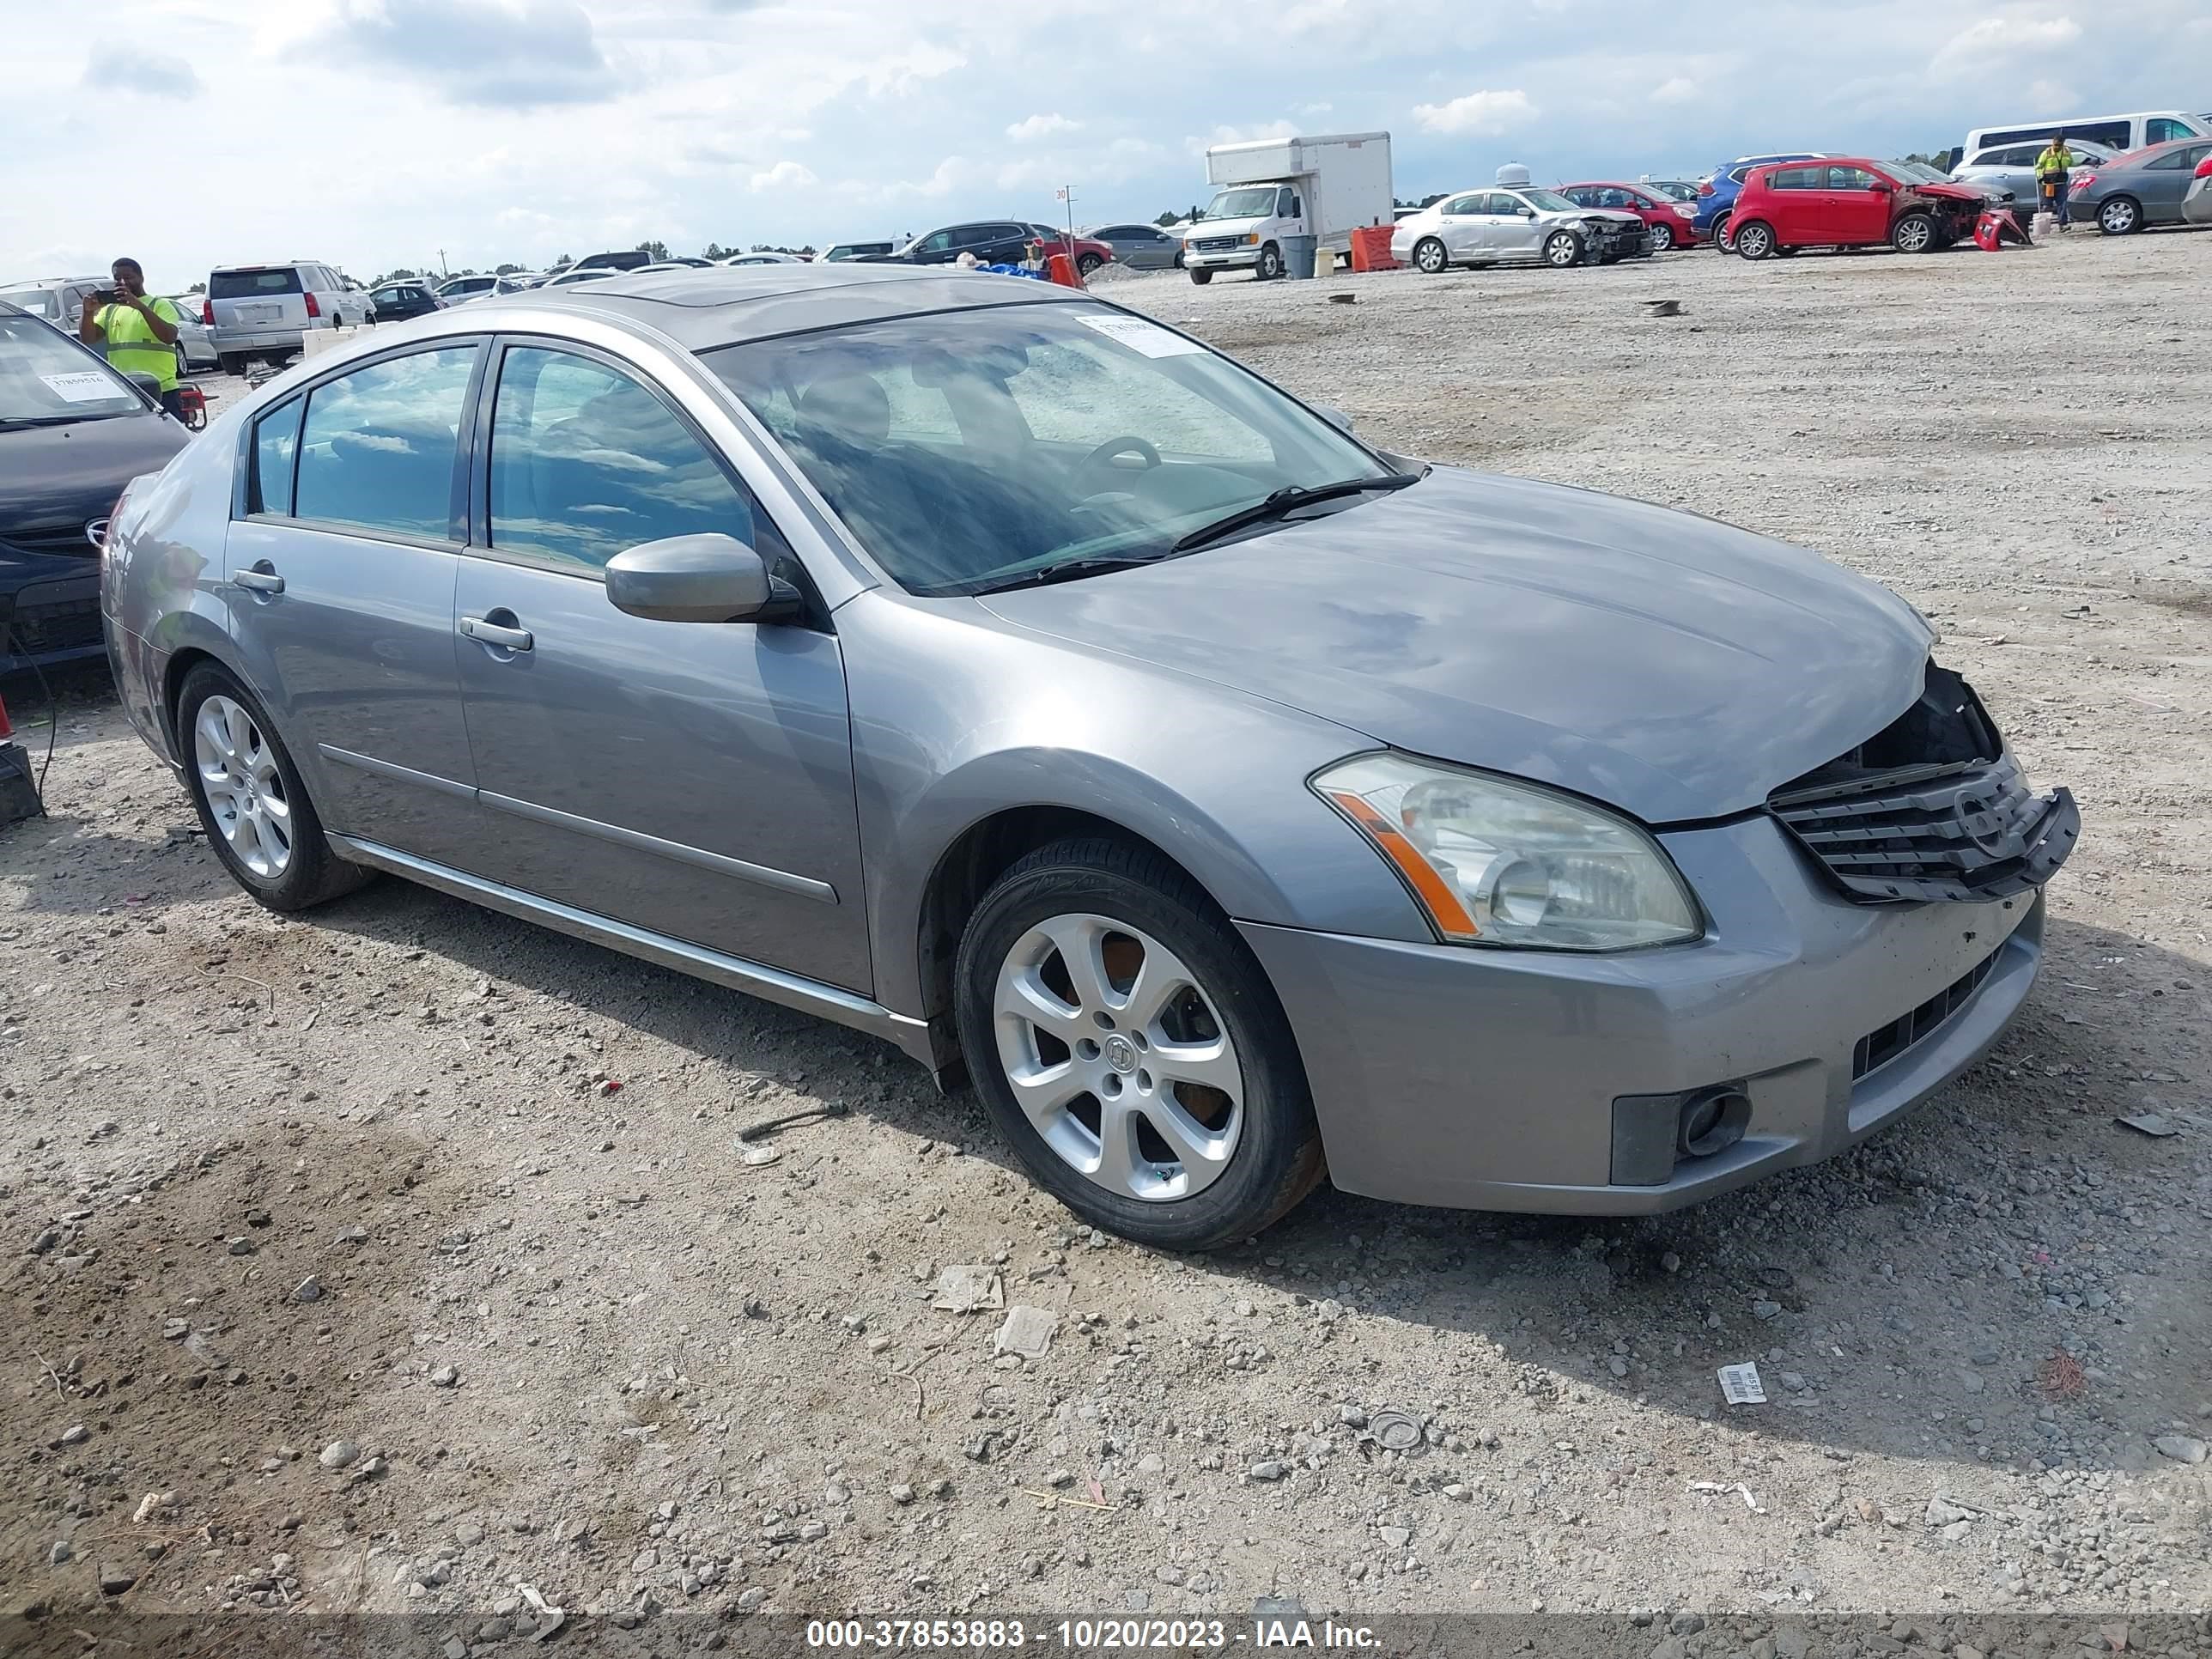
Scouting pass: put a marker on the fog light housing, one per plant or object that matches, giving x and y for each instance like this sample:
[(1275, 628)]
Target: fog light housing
[(1653, 1134)]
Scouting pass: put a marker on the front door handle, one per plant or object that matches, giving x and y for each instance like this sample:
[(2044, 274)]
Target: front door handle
[(486, 632), (261, 577)]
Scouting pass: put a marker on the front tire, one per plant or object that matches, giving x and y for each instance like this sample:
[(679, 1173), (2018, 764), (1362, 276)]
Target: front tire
[(1663, 238), (2120, 217), (1430, 256), (1200, 276), (1271, 264), (1087, 263), (250, 800), (1562, 250), (1130, 1050), (1913, 234), (1755, 240)]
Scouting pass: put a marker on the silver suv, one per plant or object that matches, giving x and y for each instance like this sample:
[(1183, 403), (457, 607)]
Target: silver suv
[(265, 311)]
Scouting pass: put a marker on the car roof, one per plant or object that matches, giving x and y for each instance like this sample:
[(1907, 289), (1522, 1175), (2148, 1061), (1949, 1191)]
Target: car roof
[(723, 305)]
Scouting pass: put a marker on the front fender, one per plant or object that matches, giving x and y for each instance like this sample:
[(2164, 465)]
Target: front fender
[(958, 716)]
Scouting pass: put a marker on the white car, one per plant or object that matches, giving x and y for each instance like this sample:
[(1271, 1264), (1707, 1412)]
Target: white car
[(581, 273), (764, 259), (1515, 224)]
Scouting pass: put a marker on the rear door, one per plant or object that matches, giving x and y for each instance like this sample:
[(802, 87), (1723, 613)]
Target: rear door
[(694, 779), (1460, 225), (339, 571), (1005, 243), (2165, 180)]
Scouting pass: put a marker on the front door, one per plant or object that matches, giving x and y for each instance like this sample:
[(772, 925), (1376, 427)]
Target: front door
[(1510, 227), (1855, 209), (339, 574), (693, 778)]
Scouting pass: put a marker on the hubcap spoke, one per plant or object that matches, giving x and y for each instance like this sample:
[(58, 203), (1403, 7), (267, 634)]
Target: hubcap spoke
[(1196, 1147), (1045, 1091), (1210, 1064), (1035, 1002), (1117, 1150), (1080, 941)]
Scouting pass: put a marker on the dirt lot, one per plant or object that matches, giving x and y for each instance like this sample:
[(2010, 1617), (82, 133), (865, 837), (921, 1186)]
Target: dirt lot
[(339, 1275)]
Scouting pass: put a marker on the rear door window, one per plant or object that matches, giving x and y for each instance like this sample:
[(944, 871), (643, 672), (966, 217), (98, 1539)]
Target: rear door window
[(377, 446)]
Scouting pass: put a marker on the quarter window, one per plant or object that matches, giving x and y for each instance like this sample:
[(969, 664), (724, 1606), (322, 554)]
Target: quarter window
[(276, 440), (377, 446), (585, 463), (2162, 129)]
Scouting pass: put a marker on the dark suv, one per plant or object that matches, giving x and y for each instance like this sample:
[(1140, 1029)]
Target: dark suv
[(993, 241)]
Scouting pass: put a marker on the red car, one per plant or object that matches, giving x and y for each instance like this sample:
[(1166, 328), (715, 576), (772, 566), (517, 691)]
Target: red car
[(1668, 223), (1845, 201), (1087, 251)]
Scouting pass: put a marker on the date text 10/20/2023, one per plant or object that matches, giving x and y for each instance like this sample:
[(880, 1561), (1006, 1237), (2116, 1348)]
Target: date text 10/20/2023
[(1083, 1635)]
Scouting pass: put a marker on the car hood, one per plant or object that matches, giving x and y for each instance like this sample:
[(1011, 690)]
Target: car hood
[(1226, 227), (1672, 665), (1954, 192), (56, 474)]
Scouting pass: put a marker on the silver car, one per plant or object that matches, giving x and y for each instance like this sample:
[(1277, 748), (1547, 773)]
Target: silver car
[(1140, 248), (1014, 678), (2143, 187), (267, 310), (195, 341), (1516, 224)]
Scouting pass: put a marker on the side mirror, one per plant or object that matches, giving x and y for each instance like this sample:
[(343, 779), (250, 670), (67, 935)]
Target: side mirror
[(1335, 417), (146, 383), (1880, 189), (1526, 212), (707, 578)]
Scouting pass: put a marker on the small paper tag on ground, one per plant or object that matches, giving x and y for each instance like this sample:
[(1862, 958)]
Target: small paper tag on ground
[(1740, 1385)]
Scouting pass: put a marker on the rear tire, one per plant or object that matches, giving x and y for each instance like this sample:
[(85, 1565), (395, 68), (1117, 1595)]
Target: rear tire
[(299, 869), (2120, 217), (1128, 907), (1430, 256), (230, 362), (1723, 240), (1201, 278), (1755, 239)]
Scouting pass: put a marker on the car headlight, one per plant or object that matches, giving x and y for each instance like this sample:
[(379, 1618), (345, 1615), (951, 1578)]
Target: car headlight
[(1252, 238), (1493, 862)]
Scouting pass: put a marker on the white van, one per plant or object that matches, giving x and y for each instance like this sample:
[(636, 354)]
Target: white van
[(2116, 133)]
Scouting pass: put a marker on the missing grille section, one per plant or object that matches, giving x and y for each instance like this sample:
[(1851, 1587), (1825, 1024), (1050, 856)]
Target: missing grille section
[(1886, 1042), (1930, 809)]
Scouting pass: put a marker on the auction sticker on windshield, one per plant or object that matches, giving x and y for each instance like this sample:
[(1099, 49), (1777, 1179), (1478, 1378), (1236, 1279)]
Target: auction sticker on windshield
[(84, 386), (1140, 336)]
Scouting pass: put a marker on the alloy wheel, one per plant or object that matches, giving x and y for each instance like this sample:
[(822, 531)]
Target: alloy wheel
[(1663, 238), (1914, 234), (1429, 256), (245, 789), (1118, 1058), (1561, 250), (2116, 217), (1754, 241)]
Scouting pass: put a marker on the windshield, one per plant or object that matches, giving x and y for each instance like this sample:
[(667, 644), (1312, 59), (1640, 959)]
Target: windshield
[(1681, 192), (1919, 170), (967, 447), (1549, 200), (39, 301), (47, 380), (1254, 202)]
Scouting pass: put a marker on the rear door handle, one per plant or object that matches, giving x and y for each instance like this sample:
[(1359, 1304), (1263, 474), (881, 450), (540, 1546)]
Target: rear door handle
[(492, 633), (261, 577)]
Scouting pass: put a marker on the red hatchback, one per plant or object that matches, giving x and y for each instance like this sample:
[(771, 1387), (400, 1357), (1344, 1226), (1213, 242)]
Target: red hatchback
[(1847, 201), (1668, 223)]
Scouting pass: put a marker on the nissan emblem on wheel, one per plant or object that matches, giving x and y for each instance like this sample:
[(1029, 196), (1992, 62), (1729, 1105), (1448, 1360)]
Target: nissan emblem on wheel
[(1232, 803)]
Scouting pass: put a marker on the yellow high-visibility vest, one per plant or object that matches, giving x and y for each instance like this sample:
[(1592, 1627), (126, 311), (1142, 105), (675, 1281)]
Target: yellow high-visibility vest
[(132, 346)]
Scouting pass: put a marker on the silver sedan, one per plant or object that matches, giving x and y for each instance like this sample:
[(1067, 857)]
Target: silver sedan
[(1012, 677)]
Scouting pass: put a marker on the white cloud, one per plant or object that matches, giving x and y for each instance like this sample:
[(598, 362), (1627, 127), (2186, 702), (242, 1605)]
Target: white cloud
[(784, 175), (1980, 46), (1042, 126), (1480, 113), (1676, 90)]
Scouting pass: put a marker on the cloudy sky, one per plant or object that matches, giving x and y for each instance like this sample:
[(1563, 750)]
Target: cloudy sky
[(374, 133)]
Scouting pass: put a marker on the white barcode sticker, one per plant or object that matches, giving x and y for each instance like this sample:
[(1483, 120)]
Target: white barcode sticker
[(84, 385), (1740, 1385), (1138, 335)]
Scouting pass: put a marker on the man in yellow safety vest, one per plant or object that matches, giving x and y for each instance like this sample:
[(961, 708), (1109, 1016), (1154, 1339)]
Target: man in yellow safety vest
[(138, 334), (2050, 170)]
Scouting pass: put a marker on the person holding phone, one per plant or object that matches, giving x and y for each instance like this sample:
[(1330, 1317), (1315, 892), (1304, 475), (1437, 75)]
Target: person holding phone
[(138, 334)]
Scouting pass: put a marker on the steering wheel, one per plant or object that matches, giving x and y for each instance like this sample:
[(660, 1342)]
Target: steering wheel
[(1129, 444)]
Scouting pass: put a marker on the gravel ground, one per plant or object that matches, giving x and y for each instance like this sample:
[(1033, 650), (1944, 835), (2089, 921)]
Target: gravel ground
[(403, 1255)]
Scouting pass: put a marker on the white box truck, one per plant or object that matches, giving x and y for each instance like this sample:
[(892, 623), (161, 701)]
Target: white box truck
[(1323, 187)]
